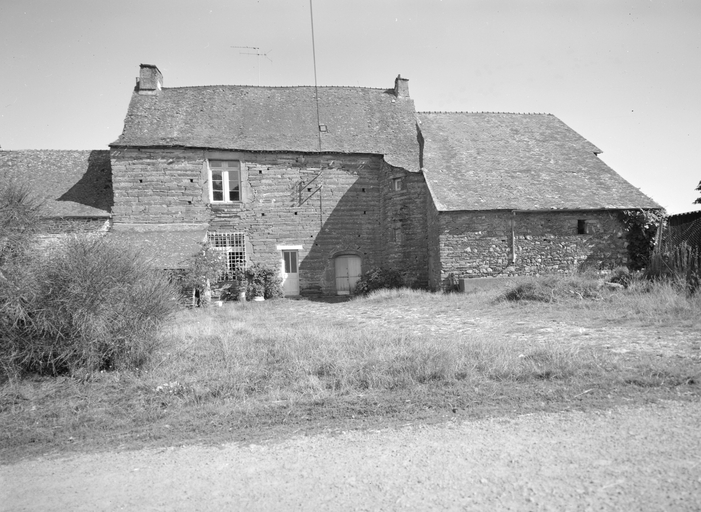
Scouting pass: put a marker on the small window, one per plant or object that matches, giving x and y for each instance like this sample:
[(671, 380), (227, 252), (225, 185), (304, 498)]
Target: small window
[(397, 183), (233, 247), (397, 235), (588, 227), (224, 180)]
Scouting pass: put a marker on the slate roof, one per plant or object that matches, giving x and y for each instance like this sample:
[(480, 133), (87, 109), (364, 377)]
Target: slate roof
[(495, 161), (164, 247), (72, 183), (358, 120)]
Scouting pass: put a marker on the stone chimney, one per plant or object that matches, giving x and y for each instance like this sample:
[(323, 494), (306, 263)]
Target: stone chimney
[(150, 80), (401, 87)]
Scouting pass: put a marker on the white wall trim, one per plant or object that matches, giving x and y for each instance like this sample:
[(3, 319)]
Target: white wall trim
[(289, 247)]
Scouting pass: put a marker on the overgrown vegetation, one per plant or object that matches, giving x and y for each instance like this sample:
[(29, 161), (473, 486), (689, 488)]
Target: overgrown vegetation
[(554, 288), (378, 278), (203, 270), (79, 305), (681, 264), (262, 281), (230, 373), (641, 228)]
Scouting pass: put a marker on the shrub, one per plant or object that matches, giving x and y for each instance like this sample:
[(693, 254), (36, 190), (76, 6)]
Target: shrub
[(554, 287), (20, 215), (378, 278), (207, 267), (262, 281), (641, 229), (91, 304)]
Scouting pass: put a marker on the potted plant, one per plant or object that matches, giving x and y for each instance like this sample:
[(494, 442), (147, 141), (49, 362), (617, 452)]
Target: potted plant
[(258, 291)]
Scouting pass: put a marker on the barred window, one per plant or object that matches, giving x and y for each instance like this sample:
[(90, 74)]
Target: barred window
[(233, 246)]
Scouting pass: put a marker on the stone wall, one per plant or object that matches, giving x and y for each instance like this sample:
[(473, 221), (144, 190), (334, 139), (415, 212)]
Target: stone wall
[(326, 204), (158, 186), (481, 244), (433, 227), (404, 229), (329, 205)]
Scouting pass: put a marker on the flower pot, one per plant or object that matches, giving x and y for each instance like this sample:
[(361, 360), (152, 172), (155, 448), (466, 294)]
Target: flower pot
[(242, 296)]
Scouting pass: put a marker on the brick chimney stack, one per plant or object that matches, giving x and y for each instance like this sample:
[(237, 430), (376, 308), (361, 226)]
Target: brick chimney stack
[(401, 87), (150, 79)]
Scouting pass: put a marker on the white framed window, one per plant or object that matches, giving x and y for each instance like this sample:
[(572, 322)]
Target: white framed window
[(224, 181), (289, 259), (233, 248)]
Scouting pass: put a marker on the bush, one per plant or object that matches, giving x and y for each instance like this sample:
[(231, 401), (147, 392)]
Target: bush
[(89, 304), (553, 288), (262, 281), (20, 215), (378, 278), (641, 229), (205, 268)]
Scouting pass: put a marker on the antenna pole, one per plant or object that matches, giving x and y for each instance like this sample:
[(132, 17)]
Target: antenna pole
[(316, 86), (258, 53)]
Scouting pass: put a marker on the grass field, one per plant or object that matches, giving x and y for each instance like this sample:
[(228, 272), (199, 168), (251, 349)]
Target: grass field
[(264, 370)]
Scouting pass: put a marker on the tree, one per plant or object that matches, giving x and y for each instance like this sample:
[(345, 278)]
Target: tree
[(698, 188)]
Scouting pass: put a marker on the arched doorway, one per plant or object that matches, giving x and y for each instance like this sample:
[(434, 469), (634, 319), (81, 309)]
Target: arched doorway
[(347, 273)]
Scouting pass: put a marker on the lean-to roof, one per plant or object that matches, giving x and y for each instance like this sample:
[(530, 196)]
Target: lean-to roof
[(71, 183)]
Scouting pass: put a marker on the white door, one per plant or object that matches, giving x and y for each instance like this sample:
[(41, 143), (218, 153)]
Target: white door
[(347, 274), (290, 273)]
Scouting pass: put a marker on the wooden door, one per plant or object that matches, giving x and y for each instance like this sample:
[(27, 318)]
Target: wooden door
[(290, 273), (347, 274)]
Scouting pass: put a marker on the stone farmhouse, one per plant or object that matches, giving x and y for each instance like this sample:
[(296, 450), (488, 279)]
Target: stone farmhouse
[(327, 183)]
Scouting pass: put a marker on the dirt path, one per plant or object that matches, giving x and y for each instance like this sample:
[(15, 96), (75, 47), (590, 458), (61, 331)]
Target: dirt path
[(629, 459)]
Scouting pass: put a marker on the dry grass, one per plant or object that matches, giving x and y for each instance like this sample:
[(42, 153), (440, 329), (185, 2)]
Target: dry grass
[(226, 373)]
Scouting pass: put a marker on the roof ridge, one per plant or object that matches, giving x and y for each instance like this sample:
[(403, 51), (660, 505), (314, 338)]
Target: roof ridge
[(45, 150), (484, 112), (280, 87)]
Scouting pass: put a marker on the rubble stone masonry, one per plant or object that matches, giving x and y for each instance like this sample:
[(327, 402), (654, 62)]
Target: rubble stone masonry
[(503, 243), (328, 205)]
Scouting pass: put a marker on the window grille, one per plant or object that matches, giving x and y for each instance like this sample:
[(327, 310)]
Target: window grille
[(233, 247)]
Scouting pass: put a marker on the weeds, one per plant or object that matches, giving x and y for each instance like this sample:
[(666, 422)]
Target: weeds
[(556, 288), (247, 366)]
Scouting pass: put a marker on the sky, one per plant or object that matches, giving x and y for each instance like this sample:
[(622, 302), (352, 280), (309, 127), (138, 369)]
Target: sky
[(625, 74)]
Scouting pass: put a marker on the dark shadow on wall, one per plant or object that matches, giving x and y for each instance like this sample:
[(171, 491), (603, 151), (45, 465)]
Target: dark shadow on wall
[(94, 188), (353, 223)]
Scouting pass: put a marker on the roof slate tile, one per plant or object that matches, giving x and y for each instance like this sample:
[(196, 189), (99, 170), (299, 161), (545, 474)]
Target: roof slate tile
[(71, 183), (358, 120), (495, 161)]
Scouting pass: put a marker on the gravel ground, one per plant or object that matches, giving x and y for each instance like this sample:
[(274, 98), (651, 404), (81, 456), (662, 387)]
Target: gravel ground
[(627, 459)]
